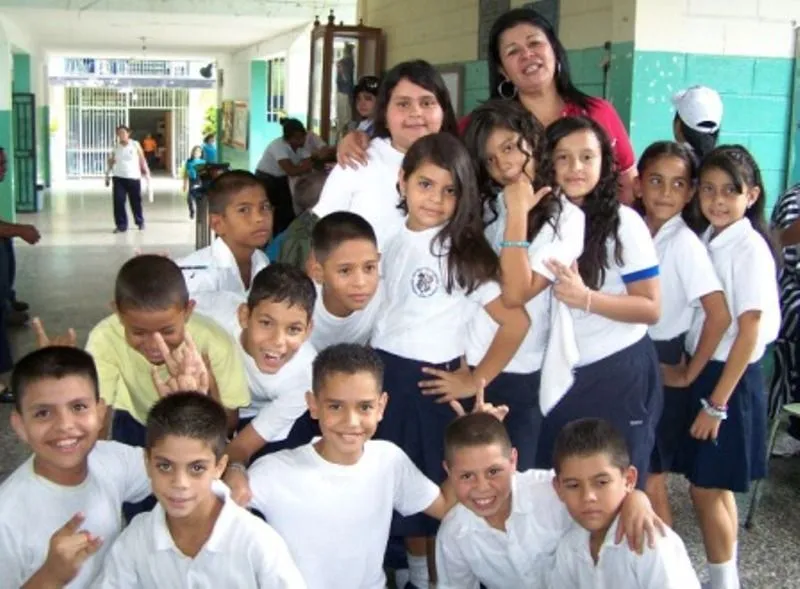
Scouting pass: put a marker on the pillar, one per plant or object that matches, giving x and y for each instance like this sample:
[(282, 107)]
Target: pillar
[(7, 202), (258, 139)]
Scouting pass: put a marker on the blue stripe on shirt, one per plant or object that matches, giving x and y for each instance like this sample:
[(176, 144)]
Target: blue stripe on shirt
[(651, 272)]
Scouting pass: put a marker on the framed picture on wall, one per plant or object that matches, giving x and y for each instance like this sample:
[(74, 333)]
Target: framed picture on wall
[(240, 125), (453, 76), (226, 137)]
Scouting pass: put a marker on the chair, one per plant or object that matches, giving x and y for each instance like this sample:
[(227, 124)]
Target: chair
[(791, 410)]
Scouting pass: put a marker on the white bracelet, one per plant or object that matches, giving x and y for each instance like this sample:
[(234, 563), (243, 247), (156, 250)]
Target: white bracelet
[(238, 466)]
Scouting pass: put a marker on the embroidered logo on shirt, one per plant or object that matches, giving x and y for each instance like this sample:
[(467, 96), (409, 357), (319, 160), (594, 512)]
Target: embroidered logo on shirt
[(424, 282)]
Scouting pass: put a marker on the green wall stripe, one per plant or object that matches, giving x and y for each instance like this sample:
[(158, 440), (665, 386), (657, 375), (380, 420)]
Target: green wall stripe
[(22, 73), (7, 193)]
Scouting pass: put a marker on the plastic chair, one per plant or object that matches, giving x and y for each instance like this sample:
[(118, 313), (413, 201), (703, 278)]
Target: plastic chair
[(791, 410)]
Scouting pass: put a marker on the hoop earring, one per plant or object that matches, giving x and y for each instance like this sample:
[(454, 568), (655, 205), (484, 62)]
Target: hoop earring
[(502, 94), (558, 68)]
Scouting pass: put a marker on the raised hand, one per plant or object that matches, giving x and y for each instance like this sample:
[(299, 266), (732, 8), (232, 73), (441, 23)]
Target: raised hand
[(481, 406), (44, 341), (185, 367), (520, 196), (69, 548)]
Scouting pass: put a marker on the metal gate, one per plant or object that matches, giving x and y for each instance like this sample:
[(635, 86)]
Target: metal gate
[(93, 114), (24, 129)]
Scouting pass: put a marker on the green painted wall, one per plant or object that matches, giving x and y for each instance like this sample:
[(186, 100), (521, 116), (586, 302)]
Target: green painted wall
[(22, 73), (257, 140), (7, 192), (43, 144)]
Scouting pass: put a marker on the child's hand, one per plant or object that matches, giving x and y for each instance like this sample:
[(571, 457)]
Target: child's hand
[(239, 484), (44, 341), (458, 384), (705, 427), (676, 375), (29, 233), (637, 520), (186, 368), (69, 548), (481, 406), (519, 195), (568, 287)]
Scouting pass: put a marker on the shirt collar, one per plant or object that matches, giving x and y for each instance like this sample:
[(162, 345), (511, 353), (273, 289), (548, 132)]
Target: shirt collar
[(730, 235), (221, 253), (670, 228)]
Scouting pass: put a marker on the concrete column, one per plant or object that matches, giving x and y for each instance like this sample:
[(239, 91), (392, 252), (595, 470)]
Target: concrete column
[(7, 202)]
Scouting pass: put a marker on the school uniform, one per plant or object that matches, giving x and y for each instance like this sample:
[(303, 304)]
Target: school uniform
[(126, 181), (335, 518), (214, 268), (686, 275), (370, 191), (471, 553), (617, 377), (242, 551), (33, 508), (666, 566), (746, 269), (518, 385), (356, 328)]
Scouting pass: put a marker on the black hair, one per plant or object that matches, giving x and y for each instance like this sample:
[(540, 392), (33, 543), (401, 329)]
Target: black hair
[(471, 261), (422, 74), (367, 84), (475, 429), (123, 127), (291, 127), (347, 359), (739, 164), (150, 282), (188, 414), (209, 137), (600, 206), (308, 189), (55, 362), (660, 149), (564, 86), (228, 184), (512, 116), (588, 437), (281, 283), (702, 143), (333, 230)]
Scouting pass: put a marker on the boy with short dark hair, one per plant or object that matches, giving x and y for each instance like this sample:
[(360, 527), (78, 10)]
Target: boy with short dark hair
[(345, 266), (70, 492), (332, 499), (241, 217), (594, 476), (197, 531)]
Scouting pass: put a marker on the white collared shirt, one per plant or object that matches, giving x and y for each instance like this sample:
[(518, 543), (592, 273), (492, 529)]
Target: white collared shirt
[(667, 566), (335, 518), (242, 552), (469, 552), (33, 508), (356, 328), (746, 268), (214, 268), (686, 274)]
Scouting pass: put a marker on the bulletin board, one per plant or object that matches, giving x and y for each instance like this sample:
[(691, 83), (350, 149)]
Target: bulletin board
[(241, 120), (226, 137)]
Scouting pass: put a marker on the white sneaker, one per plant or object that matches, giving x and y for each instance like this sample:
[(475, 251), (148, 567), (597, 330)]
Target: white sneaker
[(786, 446)]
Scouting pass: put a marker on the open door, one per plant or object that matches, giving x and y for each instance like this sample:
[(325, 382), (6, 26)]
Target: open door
[(793, 164), (24, 129)]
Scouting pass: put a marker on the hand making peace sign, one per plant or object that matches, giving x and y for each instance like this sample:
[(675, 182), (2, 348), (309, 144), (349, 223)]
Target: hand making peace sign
[(186, 367), (481, 406)]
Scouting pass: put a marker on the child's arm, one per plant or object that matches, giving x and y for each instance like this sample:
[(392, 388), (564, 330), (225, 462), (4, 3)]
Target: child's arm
[(246, 443), (452, 567), (665, 566)]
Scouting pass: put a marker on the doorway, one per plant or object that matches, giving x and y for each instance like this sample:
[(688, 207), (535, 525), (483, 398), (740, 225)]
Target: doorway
[(149, 127)]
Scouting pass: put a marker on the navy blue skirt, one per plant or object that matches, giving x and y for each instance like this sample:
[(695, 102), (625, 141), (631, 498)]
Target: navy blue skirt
[(739, 455), (624, 389), (676, 417)]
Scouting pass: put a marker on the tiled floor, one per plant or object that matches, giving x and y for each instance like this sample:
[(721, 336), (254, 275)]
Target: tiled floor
[(68, 279)]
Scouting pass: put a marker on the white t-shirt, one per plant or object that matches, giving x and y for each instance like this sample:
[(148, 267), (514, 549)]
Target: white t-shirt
[(32, 509), (564, 243), (469, 552), (667, 566), (280, 150), (127, 162), (214, 268), (599, 337), (746, 269), (335, 518), (420, 320), (369, 191), (242, 552), (686, 274), (356, 328)]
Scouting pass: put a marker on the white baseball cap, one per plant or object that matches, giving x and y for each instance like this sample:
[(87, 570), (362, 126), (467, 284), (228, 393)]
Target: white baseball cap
[(700, 108)]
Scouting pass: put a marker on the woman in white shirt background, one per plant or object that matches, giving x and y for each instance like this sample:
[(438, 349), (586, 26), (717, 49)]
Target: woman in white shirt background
[(126, 166)]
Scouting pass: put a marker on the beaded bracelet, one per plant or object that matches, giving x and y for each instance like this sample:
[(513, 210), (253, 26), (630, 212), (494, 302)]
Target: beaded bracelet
[(525, 244), (237, 466), (714, 411)]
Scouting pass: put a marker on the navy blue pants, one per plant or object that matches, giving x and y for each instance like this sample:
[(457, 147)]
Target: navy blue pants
[(676, 418), (624, 389), (126, 430), (7, 271), (131, 190)]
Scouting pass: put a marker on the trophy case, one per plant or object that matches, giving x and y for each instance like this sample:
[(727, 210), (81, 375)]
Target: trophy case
[(340, 55)]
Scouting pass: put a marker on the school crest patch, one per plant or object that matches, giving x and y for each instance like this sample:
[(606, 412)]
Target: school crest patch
[(424, 282)]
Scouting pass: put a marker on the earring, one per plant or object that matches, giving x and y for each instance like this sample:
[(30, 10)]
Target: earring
[(507, 96), (558, 68)]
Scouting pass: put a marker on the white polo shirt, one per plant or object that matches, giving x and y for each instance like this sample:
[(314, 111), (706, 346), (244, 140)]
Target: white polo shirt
[(686, 274), (564, 242), (356, 328), (214, 268), (33, 508), (746, 268), (599, 337), (279, 150), (335, 518), (420, 320), (667, 566), (469, 552), (369, 191), (242, 552)]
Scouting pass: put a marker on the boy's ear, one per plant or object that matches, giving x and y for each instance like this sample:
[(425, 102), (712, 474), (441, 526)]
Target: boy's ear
[(513, 458), (446, 467), (382, 401), (557, 486), (315, 269), (631, 475), (243, 314), (219, 468), (18, 426), (217, 224), (311, 401), (190, 305), (102, 410), (113, 306)]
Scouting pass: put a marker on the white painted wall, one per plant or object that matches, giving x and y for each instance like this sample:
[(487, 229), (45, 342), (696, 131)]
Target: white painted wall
[(763, 28), (58, 140), (298, 68)]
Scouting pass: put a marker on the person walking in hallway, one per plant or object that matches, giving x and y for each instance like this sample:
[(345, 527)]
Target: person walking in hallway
[(126, 166)]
